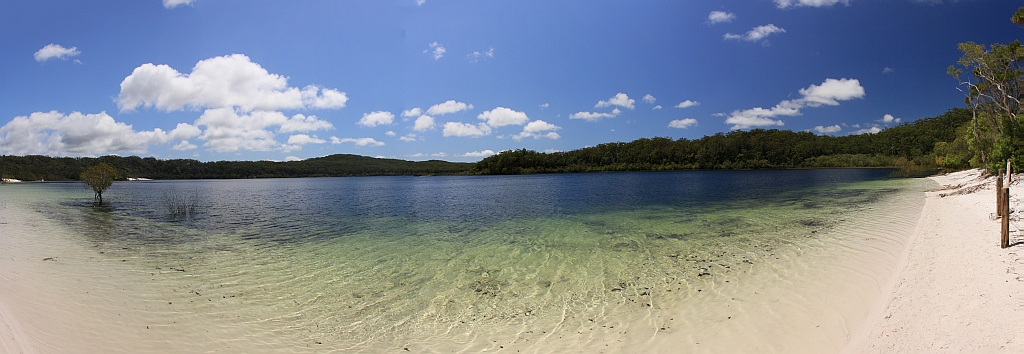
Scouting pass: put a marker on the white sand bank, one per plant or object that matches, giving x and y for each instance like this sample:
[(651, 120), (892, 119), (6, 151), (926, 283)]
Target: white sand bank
[(957, 291)]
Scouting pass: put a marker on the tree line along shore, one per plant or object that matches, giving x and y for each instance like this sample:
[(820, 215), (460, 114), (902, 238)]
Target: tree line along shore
[(930, 143)]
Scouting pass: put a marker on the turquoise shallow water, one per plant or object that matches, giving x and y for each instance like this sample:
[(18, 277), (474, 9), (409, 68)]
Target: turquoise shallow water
[(455, 263)]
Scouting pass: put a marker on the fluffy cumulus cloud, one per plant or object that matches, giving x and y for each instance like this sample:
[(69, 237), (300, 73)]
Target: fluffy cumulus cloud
[(594, 116), (412, 112), (436, 50), (538, 129), (184, 145), (501, 116), (228, 130), (376, 118), (720, 16), (51, 51), (220, 82), (292, 158), (687, 104), (648, 98), (484, 153), (170, 4), (830, 92), (303, 139), (870, 130), (408, 137), (77, 134), (755, 34), (889, 119), (827, 130), (449, 106), (682, 123), (782, 4), (423, 123), (656, 107), (545, 105), (357, 141), (460, 129), (620, 99)]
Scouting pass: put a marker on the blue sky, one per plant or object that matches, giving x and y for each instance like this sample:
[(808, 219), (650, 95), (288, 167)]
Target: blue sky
[(459, 80)]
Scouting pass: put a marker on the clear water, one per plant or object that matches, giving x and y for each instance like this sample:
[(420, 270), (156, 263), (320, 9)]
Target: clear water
[(455, 263)]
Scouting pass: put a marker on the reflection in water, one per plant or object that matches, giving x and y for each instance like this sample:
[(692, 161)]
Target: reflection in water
[(376, 262)]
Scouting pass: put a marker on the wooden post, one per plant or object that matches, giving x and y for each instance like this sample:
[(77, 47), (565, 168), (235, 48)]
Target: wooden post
[(1009, 172), (1004, 241), (999, 194)]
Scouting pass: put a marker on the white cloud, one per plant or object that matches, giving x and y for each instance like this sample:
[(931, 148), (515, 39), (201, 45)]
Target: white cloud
[(888, 70), (649, 99), (170, 4), (292, 158), (184, 145), (423, 123), (720, 16), (220, 82), (436, 50), (420, 2), (227, 131), (682, 123), (545, 105), (871, 130), (76, 134), (782, 4), (828, 130), (51, 51), (358, 141), (687, 104), (620, 99), (449, 106), (303, 139), (594, 116), (302, 123), (830, 92), (538, 129), (756, 34), (484, 153), (376, 118), (888, 118), (408, 137), (476, 56), (656, 107), (412, 112), (390, 133), (501, 116), (465, 129)]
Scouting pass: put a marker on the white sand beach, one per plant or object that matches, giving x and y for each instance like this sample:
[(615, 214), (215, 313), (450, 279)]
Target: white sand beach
[(956, 291)]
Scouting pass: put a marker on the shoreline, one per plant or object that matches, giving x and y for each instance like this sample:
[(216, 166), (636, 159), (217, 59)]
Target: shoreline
[(955, 289)]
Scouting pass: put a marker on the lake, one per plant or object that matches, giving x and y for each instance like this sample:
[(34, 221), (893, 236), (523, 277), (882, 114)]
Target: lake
[(700, 261)]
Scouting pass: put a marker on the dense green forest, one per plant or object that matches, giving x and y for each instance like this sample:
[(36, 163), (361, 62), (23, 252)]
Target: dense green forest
[(34, 168), (931, 142), (905, 146)]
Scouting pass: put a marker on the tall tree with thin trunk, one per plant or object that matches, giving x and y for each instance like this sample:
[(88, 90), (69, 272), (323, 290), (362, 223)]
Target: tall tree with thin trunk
[(99, 178)]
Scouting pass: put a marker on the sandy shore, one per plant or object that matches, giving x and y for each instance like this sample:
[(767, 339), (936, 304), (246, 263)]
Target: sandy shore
[(956, 290)]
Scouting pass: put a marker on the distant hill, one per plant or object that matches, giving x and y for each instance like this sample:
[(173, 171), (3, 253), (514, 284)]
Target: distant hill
[(34, 168), (906, 146)]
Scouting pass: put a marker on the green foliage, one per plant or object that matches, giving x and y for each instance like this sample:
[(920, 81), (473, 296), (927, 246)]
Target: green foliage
[(754, 149), (34, 168), (991, 80), (99, 178)]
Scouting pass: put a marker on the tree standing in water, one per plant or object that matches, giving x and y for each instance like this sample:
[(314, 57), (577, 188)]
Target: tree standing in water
[(99, 178)]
